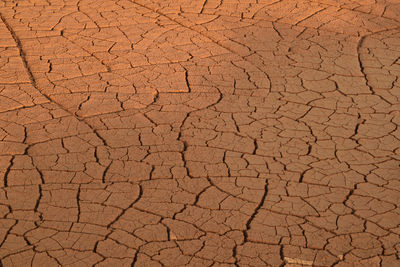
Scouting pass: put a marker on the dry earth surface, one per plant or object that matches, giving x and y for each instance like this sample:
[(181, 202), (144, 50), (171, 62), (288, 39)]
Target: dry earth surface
[(199, 133)]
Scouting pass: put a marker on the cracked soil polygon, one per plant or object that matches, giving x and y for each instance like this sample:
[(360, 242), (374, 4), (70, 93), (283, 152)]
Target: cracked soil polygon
[(199, 133)]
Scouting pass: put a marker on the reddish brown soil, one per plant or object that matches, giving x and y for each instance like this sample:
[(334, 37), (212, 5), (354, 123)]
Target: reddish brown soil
[(199, 133)]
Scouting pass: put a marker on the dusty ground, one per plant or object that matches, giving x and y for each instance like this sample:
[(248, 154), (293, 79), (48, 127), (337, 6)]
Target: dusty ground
[(199, 133)]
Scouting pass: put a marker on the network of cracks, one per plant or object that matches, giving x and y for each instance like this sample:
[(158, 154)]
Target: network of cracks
[(199, 133)]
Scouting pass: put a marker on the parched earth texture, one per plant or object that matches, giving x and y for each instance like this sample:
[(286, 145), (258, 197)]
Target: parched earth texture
[(199, 133)]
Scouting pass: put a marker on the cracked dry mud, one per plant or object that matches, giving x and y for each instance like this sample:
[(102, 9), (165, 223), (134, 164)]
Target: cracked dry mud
[(199, 133)]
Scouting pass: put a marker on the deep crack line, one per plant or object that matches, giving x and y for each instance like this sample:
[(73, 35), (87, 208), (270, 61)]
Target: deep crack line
[(7, 171), (360, 61), (359, 46), (33, 81), (259, 206), (250, 220)]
